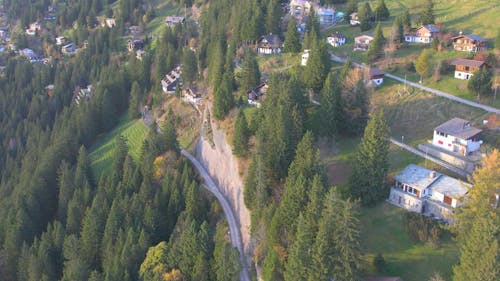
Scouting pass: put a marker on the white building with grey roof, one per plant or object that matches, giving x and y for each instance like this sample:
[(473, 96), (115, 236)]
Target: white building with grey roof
[(428, 192), (457, 135)]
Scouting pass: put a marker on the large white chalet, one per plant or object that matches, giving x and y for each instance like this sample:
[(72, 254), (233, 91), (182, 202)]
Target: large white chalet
[(428, 192), (457, 135)]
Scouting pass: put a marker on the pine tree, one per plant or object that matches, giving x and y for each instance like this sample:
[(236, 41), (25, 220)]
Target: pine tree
[(249, 77), (351, 7), (381, 11), (273, 17), (376, 49), (292, 38), (223, 96), (397, 31), (318, 66), (422, 65), (480, 82), (189, 72), (427, 16), (241, 135), (368, 180), (477, 225), (406, 20), (299, 260), (365, 16), (135, 99), (331, 107)]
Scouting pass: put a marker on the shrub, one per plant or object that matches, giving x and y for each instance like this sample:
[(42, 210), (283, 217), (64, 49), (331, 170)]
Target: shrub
[(422, 229), (379, 263)]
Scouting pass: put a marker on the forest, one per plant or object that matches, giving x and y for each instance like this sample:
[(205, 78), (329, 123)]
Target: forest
[(150, 219)]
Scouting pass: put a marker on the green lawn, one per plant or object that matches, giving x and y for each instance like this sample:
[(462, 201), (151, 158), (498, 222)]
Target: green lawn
[(382, 232), (101, 153)]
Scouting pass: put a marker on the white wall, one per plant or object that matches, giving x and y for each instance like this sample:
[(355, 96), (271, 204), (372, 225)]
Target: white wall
[(378, 81), (462, 75), (443, 142)]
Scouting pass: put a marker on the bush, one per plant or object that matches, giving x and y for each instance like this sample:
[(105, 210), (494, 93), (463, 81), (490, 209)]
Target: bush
[(422, 229)]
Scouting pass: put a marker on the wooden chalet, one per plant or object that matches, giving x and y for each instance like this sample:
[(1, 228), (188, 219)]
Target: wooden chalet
[(465, 68), (269, 44), (469, 43), (362, 42)]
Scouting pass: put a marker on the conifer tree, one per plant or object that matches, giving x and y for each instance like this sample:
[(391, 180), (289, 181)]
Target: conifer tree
[(331, 107), (273, 17), (351, 7), (427, 16), (422, 65), (223, 96), (249, 77), (292, 38), (397, 31), (318, 66), (368, 180), (376, 49), (365, 16), (189, 72), (477, 224), (381, 11), (135, 96), (299, 260), (241, 135), (480, 82)]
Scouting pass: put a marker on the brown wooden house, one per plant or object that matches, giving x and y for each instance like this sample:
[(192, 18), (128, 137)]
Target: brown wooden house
[(469, 43), (464, 68)]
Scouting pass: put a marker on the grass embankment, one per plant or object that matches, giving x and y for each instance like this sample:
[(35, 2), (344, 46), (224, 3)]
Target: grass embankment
[(382, 232), (101, 153)]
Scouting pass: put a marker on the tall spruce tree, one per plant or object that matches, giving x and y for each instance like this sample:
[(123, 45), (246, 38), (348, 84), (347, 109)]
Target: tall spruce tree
[(249, 77), (376, 49), (406, 20), (381, 11), (241, 135), (318, 66), (189, 67), (292, 38), (365, 16), (480, 82), (477, 224), (368, 180), (273, 17), (331, 107), (397, 31)]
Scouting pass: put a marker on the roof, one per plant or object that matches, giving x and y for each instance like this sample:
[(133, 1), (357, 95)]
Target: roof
[(365, 35), (272, 39), (458, 127), (375, 72), (431, 28), (451, 187), (471, 36), (467, 62), (383, 279), (336, 35), (417, 177)]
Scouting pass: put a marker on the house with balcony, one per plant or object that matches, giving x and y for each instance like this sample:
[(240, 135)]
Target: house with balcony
[(465, 68), (457, 135), (169, 82), (362, 42), (326, 15), (336, 39), (428, 192), (424, 34), (469, 43), (174, 20), (302, 8), (269, 44)]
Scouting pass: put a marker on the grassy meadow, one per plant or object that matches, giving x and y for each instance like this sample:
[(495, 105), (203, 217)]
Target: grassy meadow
[(101, 153)]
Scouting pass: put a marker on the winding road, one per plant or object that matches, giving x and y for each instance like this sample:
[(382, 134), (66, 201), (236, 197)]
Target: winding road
[(234, 229)]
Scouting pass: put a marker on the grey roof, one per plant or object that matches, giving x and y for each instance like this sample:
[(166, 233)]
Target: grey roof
[(466, 62), (336, 35), (375, 72), (458, 127), (471, 36), (450, 187), (417, 177)]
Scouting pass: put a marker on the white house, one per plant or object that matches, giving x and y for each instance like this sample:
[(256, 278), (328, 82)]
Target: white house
[(465, 68), (169, 82), (326, 15), (60, 40), (457, 135), (174, 20), (428, 192), (376, 76), (336, 39), (269, 44), (33, 28), (305, 57), (354, 19), (257, 95), (423, 34), (191, 96)]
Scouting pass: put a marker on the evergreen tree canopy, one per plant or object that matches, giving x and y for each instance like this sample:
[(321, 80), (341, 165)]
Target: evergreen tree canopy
[(427, 16), (480, 82), (241, 135), (318, 66), (368, 180), (381, 11), (376, 49), (422, 66), (189, 72), (292, 38), (249, 77)]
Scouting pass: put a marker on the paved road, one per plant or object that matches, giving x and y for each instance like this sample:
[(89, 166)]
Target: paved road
[(234, 229), (430, 158), (427, 89)]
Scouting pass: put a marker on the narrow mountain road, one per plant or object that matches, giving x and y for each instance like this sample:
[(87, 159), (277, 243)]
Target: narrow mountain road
[(427, 89), (429, 157), (234, 229)]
